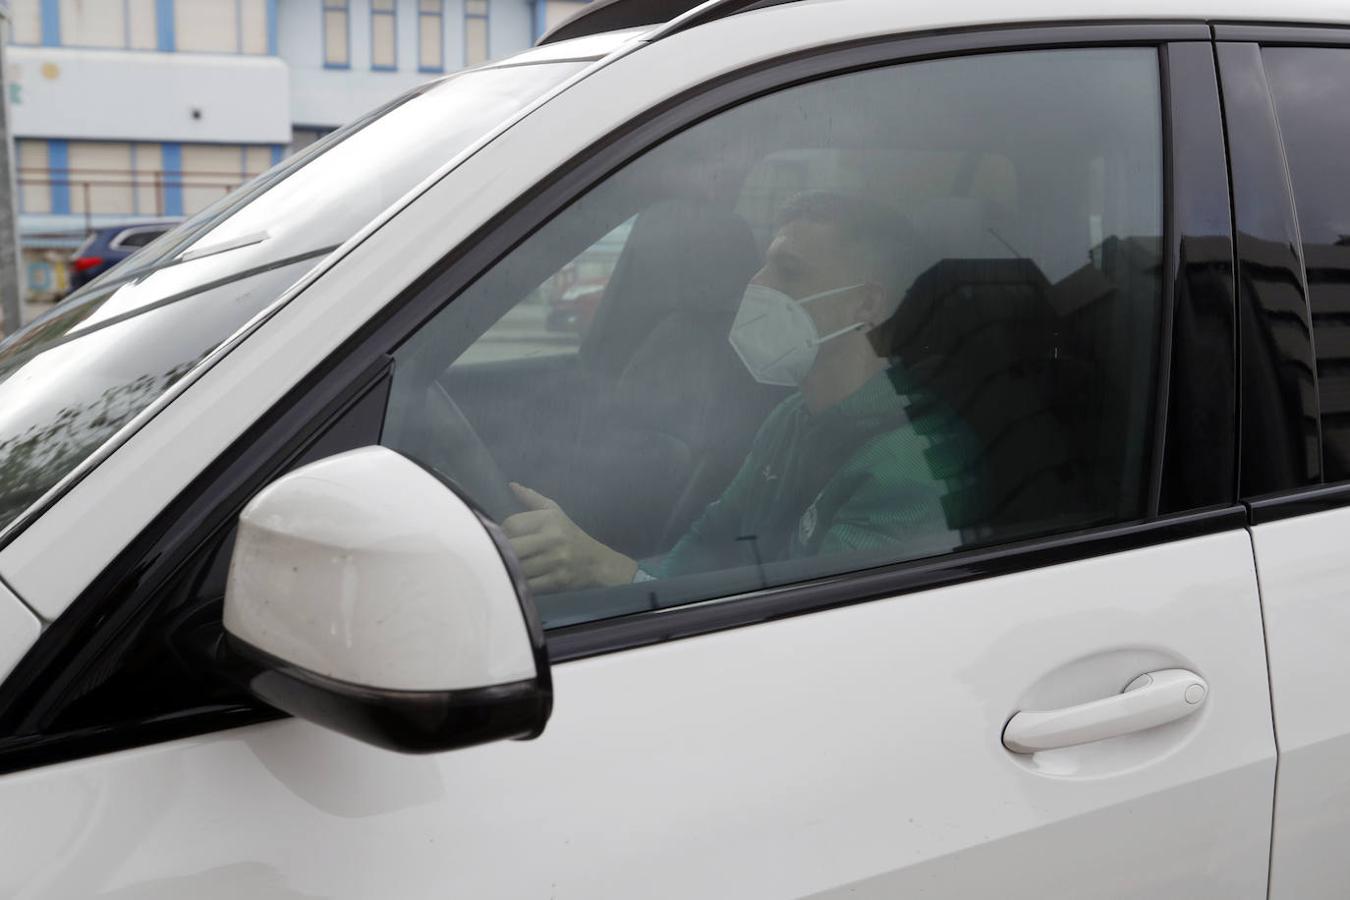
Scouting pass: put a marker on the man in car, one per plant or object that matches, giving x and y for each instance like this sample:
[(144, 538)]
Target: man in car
[(858, 458)]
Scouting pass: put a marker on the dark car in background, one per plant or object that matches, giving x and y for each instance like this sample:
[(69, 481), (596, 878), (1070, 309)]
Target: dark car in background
[(106, 247)]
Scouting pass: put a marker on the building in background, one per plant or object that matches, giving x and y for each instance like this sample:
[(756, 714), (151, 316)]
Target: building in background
[(130, 110)]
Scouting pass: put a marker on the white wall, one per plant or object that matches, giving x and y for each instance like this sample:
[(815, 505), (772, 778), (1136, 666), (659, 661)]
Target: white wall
[(332, 97), (115, 95), (510, 26)]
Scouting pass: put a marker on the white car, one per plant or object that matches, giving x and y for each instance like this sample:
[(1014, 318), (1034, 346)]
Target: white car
[(948, 499)]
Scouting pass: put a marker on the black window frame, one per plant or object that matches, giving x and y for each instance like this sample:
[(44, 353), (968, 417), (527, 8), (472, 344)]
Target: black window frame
[(1270, 489), (1198, 495)]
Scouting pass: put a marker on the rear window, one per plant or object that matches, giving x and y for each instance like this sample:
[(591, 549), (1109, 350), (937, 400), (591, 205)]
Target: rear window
[(138, 238)]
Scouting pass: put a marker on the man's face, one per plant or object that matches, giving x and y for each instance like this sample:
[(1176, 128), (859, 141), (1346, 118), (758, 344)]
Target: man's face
[(807, 258)]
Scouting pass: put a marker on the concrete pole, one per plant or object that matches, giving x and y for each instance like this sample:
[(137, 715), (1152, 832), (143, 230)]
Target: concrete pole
[(10, 288)]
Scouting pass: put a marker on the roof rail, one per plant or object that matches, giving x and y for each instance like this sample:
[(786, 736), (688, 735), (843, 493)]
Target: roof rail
[(611, 15)]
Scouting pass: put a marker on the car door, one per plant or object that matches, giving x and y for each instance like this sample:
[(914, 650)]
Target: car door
[(831, 715), (1293, 209)]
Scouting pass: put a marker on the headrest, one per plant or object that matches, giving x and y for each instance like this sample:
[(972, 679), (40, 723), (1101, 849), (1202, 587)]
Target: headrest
[(682, 256), (953, 228)]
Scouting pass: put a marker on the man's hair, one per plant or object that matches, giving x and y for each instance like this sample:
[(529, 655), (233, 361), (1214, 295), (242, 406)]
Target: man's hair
[(884, 239)]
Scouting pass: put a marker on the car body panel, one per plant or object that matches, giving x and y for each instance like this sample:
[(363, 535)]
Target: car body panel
[(851, 752), (1305, 592)]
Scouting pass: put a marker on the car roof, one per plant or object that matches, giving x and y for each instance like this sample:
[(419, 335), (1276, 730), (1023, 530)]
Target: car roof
[(923, 15)]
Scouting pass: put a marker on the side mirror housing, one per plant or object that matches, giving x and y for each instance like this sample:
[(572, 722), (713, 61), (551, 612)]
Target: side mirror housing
[(366, 596)]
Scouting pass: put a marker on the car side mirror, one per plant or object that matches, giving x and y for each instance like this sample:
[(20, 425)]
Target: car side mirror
[(366, 596)]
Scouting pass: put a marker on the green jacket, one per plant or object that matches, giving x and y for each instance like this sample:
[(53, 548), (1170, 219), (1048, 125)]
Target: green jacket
[(887, 467)]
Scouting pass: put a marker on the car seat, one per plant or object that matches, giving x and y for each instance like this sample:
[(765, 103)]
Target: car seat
[(679, 411)]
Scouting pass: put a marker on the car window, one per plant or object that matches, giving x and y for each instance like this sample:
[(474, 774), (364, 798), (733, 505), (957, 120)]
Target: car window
[(875, 318), (71, 379), (138, 238), (555, 317), (1311, 85)]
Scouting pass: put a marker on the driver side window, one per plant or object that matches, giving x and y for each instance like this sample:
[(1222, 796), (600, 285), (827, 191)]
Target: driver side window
[(875, 318)]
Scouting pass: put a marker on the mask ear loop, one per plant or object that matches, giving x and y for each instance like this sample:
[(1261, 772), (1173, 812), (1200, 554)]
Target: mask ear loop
[(830, 293), (861, 326)]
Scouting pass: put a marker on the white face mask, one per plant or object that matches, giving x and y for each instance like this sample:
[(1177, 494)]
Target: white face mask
[(776, 338)]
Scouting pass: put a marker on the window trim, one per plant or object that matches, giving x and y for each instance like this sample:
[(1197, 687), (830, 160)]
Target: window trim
[(335, 6), (346, 374), (422, 22), (392, 14), (486, 18), (1280, 402), (1281, 499), (641, 629)]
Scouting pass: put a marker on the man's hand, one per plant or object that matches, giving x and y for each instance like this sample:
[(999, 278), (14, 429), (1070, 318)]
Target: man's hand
[(555, 553)]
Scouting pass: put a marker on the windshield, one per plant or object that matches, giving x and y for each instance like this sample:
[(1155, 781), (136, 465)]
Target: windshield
[(72, 378)]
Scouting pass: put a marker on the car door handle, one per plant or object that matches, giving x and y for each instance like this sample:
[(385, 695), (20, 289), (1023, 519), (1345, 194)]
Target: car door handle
[(1146, 702)]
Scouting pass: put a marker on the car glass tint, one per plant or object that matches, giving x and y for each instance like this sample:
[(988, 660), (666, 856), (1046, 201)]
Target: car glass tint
[(874, 318), (1311, 86), (138, 238)]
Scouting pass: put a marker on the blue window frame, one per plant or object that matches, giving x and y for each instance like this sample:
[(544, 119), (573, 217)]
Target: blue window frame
[(384, 35), (164, 25), (337, 34), (58, 163), (431, 35), (51, 23)]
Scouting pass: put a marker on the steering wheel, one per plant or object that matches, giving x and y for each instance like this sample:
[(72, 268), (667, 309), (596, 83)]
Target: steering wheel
[(452, 447)]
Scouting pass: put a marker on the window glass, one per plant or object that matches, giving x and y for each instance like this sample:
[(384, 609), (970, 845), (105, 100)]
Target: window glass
[(431, 35), (475, 32), (1312, 89), (34, 176), (253, 26), (210, 171), (336, 33), (85, 24), (257, 159), (148, 178), (139, 237), (26, 21), (142, 25), (206, 26), (878, 317), (383, 35), (100, 177), (554, 318)]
